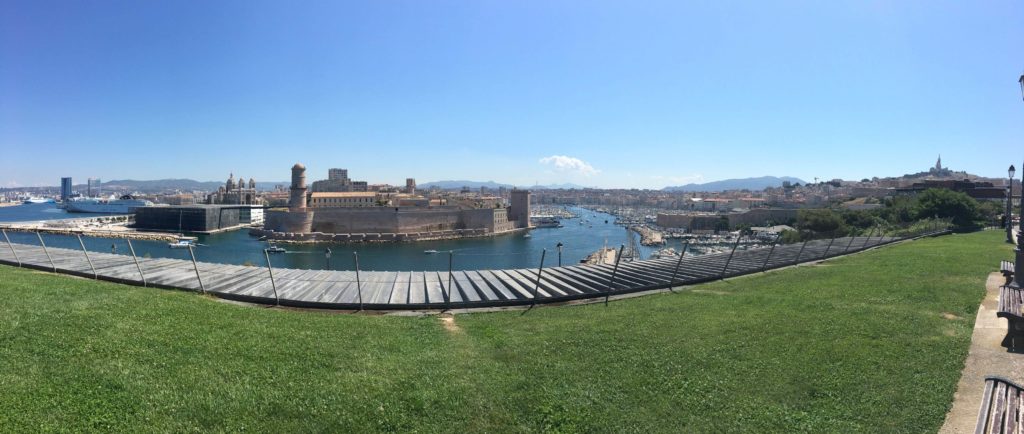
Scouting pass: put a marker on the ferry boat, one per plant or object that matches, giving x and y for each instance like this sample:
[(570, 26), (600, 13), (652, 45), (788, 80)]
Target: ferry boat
[(545, 222), (124, 205)]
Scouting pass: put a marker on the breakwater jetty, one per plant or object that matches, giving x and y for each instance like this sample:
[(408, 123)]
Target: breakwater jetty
[(107, 226)]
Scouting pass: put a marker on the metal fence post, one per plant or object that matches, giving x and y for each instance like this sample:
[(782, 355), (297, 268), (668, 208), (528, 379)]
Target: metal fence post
[(868, 238), (536, 287), (825, 255), (94, 274), (359, 284), (132, 249), (765, 266), (727, 261), (447, 291), (848, 245), (273, 284), (802, 246), (196, 267), (16, 258), (675, 271), (47, 252), (611, 279)]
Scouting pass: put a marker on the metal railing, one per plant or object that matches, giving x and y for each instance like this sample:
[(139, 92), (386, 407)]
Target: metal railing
[(619, 279)]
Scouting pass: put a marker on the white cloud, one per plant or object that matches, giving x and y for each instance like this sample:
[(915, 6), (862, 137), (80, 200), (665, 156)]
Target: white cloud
[(564, 163)]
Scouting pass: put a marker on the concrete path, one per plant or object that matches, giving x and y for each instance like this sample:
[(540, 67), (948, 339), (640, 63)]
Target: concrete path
[(986, 357)]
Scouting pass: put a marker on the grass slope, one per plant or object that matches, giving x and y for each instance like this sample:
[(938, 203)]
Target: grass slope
[(872, 342)]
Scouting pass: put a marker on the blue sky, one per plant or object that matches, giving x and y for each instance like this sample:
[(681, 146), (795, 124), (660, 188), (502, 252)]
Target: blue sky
[(608, 94)]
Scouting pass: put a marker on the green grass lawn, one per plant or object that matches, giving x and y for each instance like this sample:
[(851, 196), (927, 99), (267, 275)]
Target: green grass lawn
[(873, 342)]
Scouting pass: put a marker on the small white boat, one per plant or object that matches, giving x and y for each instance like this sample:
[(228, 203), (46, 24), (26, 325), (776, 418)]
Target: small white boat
[(430, 252), (527, 236), (275, 249), (181, 244)]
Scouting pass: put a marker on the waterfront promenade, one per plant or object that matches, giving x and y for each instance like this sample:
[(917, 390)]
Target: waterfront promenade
[(415, 290)]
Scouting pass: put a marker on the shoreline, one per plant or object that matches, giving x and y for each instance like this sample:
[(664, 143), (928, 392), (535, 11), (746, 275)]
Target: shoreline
[(372, 238), (106, 226), (124, 234)]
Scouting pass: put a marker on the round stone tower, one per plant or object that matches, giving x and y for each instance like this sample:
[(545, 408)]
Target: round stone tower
[(297, 200)]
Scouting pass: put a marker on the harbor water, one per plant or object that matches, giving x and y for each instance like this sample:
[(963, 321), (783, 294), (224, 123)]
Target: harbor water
[(238, 247)]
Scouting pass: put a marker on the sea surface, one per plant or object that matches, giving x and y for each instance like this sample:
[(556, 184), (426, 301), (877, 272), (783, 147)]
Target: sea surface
[(238, 247)]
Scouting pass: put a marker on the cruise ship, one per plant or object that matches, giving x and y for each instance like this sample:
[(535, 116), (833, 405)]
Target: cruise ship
[(124, 205)]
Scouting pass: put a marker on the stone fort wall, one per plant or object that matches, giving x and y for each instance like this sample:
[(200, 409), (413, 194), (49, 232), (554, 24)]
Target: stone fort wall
[(754, 217), (284, 220), (390, 220)]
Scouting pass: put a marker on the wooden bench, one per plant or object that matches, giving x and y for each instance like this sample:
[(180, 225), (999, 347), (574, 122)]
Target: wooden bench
[(1010, 302), (1006, 267), (1000, 407)]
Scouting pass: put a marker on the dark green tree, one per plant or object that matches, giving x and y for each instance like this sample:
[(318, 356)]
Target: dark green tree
[(943, 203), (789, 237), (859, 219), (821, 223)]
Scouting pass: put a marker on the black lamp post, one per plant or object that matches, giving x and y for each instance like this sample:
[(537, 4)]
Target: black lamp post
[(1009, 206), (1018, 260)]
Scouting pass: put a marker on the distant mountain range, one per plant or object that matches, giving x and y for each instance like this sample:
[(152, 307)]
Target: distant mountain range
[(475, 185), (737, 184), (160, 185), (454, 185), (565, 186)]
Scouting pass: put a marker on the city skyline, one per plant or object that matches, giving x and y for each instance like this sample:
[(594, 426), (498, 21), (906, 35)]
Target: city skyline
[(595, 94), (326, 175)]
